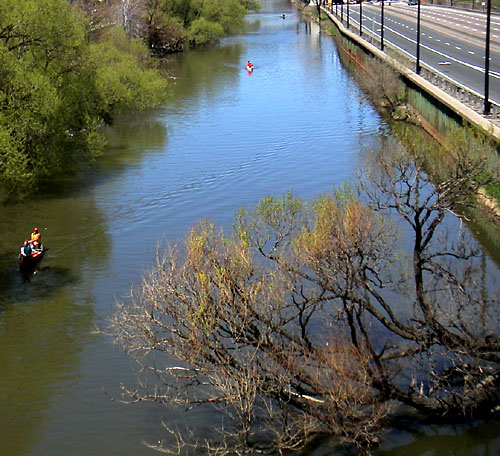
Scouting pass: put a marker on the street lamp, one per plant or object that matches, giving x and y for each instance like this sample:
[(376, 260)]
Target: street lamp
[(418, 38), (487, 103), (360, 17), (382, 27)]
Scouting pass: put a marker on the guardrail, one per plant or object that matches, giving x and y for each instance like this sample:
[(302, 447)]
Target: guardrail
[(456, 89)]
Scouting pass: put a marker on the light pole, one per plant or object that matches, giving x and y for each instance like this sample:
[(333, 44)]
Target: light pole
[(347, 13), (360, 17), (487, 103), (382, 27), (418, 38)]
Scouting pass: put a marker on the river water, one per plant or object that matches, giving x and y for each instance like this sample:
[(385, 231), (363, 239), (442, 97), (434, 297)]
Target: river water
[(224, 139)]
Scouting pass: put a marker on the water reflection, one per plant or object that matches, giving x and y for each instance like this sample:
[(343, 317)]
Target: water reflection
[(132, 138), (484, 228), (476, 439), (203, 77), (41, 336)]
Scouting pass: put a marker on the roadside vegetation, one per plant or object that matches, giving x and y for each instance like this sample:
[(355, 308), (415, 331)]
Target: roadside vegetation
[(67, 67)]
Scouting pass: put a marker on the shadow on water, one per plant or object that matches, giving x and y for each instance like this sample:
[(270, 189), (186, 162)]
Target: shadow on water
[(129, 140), (416, 439), (211, 72), (27, 272), (47, 279), (465, 440), (47, 314), (20, 284), (43, 323), (9, 271)]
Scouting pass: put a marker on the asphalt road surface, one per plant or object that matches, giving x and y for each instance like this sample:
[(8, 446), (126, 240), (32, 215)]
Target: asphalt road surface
[(451, 41)]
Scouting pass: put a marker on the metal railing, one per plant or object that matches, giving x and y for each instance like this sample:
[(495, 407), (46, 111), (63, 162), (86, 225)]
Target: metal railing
[(456, 89)]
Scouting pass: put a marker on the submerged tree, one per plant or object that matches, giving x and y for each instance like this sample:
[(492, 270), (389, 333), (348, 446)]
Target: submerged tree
[(312, 319)]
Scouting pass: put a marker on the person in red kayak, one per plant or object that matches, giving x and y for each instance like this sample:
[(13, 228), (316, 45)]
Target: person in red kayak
[(249, 65), (25, 249), (35, 236), (36, 248)]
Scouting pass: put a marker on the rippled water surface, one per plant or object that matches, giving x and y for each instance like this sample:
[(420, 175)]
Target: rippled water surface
[(224, 139)]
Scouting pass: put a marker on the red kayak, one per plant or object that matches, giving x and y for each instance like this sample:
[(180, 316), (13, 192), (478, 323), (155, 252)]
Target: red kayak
[(31, 260)]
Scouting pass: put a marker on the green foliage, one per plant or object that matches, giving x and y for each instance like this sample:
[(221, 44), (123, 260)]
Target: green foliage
[(279, 214), (166, 34), (228, 13), (57, 86), (494, 191), (56, 89), (122, 74), (253, 5), (467, 151), (202, 31), (200, 21), (463, 151), (40, 75)]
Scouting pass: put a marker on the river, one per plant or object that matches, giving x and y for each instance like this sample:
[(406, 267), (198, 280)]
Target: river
[(224, 139)]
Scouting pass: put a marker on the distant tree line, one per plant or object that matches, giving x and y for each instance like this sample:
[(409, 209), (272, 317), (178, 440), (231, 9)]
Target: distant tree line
[(170, 25), (67, 66)]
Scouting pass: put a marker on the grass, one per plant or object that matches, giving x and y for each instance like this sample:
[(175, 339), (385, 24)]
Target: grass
[(494, 191)]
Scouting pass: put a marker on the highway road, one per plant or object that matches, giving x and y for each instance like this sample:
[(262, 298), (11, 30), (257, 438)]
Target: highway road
[(451, 41)]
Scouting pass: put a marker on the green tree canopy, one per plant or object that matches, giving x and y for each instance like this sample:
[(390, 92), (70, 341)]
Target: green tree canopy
[(176, 23), (56, 88)]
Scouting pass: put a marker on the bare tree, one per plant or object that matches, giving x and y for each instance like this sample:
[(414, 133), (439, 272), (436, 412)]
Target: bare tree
[(447, 356), (98, 14), (312, 319)]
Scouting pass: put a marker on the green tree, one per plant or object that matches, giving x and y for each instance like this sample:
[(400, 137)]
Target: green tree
[(40, 70), (124, 71), (215, 18), (175, 24), (56, 89)]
